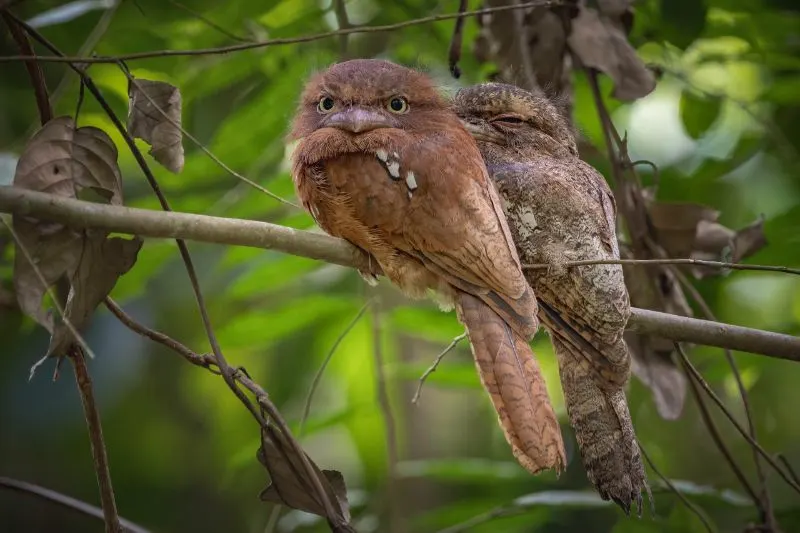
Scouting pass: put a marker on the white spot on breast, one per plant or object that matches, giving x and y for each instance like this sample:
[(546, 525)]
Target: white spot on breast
[(411, 180), (394, 154), (383, 155), (394, 169)]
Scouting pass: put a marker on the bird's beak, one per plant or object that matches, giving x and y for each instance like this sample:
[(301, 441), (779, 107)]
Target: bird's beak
[(358, 120), (481, 133)]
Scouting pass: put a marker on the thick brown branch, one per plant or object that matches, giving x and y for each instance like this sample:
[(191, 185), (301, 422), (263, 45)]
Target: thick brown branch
[(149, 223)]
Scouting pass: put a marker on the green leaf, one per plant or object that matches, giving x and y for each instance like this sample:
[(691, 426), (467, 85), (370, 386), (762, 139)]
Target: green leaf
[(683, 20), (698, 113), (462, 470)]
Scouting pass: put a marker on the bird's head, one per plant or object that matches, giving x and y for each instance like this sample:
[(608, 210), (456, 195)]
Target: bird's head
[(510, 117), (361, 96)]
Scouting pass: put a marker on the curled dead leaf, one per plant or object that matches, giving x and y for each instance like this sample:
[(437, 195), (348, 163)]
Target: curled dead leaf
[(598, 38), (59, 159), (102, 261), (64, 160), (291, 486), (691, 230), (154, 115)]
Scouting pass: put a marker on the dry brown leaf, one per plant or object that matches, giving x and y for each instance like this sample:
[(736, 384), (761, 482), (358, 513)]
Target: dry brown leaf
[(660, 374), (691, 230), (145, 121), (598, 39), (291, 486), (59, 159), (102, 262)]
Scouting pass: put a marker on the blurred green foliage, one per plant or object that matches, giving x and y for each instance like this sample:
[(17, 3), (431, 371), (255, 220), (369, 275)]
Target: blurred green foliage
[(722, 126)]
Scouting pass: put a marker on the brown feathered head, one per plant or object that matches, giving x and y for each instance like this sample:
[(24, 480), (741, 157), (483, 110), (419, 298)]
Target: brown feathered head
[(508, 116), (363, 95)]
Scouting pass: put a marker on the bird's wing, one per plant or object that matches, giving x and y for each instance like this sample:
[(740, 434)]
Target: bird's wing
[(457, 228)]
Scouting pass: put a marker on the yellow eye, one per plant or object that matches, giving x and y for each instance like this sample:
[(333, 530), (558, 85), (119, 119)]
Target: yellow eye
[(326, 104), (398, 105)]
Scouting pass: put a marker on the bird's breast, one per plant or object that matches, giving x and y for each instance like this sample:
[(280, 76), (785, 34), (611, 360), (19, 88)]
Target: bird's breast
[(376, 187)]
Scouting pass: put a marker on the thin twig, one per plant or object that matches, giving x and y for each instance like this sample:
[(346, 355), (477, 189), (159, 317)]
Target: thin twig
[(782, 458), (698, 262), (99, 454), (384, 401), (210, 23), (766, 508), (200, 145), (318, 376), (280, 41), (703, 383), (343, 23), (203, 360), (65, 501), (456, 42), (720, 443), (207, 362), (435, 365), (313, 245), (488, 516), (688, 503), (33, 67)]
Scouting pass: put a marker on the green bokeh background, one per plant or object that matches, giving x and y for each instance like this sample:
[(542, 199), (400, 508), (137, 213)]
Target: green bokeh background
[(722, 126)]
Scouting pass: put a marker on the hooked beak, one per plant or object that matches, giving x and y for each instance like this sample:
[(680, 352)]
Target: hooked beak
[(482, 133), (358, 120)]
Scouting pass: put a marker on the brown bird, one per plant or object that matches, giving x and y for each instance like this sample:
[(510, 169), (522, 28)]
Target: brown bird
[(383, 162), (560, 209)]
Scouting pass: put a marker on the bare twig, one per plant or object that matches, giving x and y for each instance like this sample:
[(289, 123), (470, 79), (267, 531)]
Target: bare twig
[(670, 261), (149, 223), (435, 365), (384, 401), (456, 42), (756, 446), (65, 501), (782, 458), (343, 23), (688, 503), (488, 516), (716, 437), (202, 147), (204, 360), (281, 41), (98, 446), (318, 376), (210, 23), (33, 67), (239, 377), (765, 507)]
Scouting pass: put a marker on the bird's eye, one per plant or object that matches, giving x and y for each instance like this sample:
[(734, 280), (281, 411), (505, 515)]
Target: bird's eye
[(326, 104), (398, 105), (508, 119)]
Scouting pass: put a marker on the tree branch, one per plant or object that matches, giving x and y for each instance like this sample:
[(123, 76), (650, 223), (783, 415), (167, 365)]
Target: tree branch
[(98, 446), (279, 41), (150, 223), (65, 501)]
